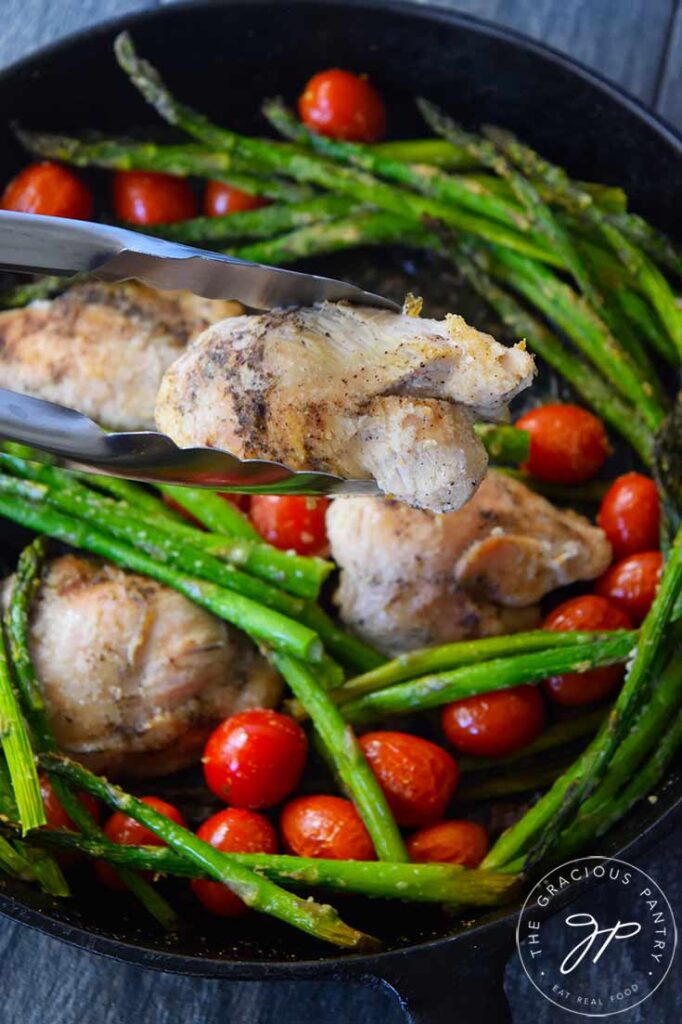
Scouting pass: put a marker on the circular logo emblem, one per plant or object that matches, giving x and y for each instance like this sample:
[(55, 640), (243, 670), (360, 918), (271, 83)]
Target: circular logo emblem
[(596, 936)]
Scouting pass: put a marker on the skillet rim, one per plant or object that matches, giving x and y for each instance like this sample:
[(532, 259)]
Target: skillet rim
[(378, 965)]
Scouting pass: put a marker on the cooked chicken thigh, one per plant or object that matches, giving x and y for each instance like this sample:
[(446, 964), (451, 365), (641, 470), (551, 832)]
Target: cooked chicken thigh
[(103, 348), (355, 391), (411, 579), (133, 674)]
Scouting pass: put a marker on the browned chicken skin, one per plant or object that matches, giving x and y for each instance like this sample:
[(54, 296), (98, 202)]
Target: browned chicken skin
[(362, 393), (103, 348), (410, 578), (133, 674)]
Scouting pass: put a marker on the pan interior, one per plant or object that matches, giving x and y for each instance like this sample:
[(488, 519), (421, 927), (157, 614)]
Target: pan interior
[(224, 59)]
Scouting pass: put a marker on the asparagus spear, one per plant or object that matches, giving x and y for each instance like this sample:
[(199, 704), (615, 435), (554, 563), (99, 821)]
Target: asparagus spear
[(414, 883), (651, 281), (33, 291), (257, 892), (39, 865), (164, 548), (263, 624), (504, 444), (637, 746), (635, 313), (586, 829), (178, 545), (447, 657), (26, 582), (474, 264), (653, 242), (125, 490), (433, 691), (637, 686), (180, 160), (219, 515), (643, 741), (291, 161), (377, 228), (14, 863), (347, 757), (437, 152), (426, 179), (71, 497), (262, 223), (16, 746), (571, 313), (549, 815)]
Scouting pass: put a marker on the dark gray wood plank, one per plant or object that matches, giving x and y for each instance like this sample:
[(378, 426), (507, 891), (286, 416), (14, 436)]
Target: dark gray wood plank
[(669, 98), (622, 39), (29, 24)]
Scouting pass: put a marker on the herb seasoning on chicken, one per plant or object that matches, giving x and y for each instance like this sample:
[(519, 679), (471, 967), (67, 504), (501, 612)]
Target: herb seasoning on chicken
[(411, 579), (359, 392), (102, 348), (134, 675)]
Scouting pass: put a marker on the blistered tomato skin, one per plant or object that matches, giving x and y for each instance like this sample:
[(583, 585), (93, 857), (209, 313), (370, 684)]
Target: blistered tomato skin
[(221, 200), (149, 197), (48, 189), (255, 758), (325, 826), (568, 445), (344, 106), (291, 522), (589, 612), (630, 515), (234, 830), (494, 724), (631, 584), (418, 777), (449, 842), (126, 831)]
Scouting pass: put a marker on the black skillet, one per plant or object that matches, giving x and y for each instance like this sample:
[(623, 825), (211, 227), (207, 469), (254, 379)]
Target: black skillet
[(225, 57)]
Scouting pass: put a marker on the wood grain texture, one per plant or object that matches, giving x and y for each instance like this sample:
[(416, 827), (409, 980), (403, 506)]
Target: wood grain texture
[(622, 39), (30, 24), (669, 97)]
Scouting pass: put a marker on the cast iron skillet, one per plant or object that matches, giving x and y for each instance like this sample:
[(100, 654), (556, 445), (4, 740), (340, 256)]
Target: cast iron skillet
[(225, 57)]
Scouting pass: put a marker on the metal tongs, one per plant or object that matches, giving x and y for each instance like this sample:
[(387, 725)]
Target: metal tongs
[(55, 245)]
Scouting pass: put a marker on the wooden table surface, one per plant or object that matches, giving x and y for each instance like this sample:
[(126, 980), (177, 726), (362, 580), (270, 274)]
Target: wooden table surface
[(636, 43)]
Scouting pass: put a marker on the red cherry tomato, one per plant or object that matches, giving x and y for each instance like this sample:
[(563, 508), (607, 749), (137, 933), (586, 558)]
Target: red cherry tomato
[(55, 813), (240, 501), (494, 724), (255, 758), (630, 515), (147, 197), (221, 200), (49, 189), (343, 106), (291, 522), (233, 830), (567, 443), (589, 612), (418, 778), (325, 826), (631, 584), (449, 842), (126, 831)]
